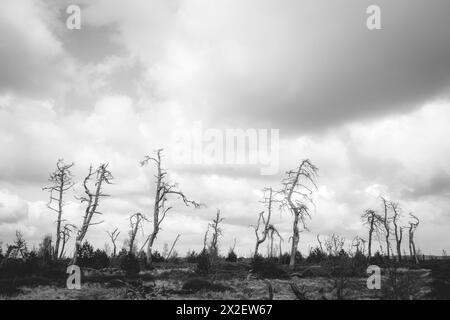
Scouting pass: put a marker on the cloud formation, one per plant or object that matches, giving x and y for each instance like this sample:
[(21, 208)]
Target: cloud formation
[(369, 108)]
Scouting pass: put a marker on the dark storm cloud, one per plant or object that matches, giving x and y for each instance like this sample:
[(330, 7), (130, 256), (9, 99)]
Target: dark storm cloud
[(438, 185), (31, 58), (318, 65)]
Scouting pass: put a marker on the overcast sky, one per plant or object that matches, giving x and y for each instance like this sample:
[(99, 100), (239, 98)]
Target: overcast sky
[(369, 108)]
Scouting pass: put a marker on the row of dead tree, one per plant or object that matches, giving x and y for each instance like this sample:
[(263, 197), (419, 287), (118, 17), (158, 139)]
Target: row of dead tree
[(295, 195)]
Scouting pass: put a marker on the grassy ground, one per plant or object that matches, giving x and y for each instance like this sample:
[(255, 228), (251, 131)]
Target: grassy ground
[(233, 281)]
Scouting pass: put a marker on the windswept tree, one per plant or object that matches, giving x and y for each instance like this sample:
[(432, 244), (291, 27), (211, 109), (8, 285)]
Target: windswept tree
[(412, 229), (374, 222), (61, 180), (298, 188), (164, 189), (136, 223), (93, 192), (113, 236)]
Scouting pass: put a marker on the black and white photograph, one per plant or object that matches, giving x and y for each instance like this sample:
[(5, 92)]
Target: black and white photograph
[(238, 151)]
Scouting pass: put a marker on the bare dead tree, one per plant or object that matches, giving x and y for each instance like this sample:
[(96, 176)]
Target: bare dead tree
[(387, 227), (65, 236), (136, 222), (398, 231), (18, 249), (358, 244), (280, 249), (164, 189), (260, 238), (272, 232), (61, 180), (264, 221), (205, 239), (173, 246), (334, 244), (113, 236), (216, 233), (412, 229), (373, 221), (93, 192), (297, 191), (320, 243)]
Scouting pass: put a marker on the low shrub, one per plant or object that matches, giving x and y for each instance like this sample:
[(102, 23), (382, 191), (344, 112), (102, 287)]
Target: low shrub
[(267, 268), (316, 255), (231, 257), (192, 257), (157, 257), (204, 264), (129, 263)]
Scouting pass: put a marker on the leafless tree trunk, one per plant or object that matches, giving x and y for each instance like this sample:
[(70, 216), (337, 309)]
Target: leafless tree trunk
[(373, 220), (387, 227), (163, 190), (268, 202), (280, 254), (320, 243), (113, 236), (205, 240), (136, 221), (173, 246), (65, 236), (61, 181), (260, 240), (412, 229), (297, 195), (272, 231), (398, 231), (217, 232), (92, 197)]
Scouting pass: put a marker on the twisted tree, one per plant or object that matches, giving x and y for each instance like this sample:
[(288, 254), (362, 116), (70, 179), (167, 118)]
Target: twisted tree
[(264, 222), (60, 182), (164, 190), (297, 191), (93, 192)]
